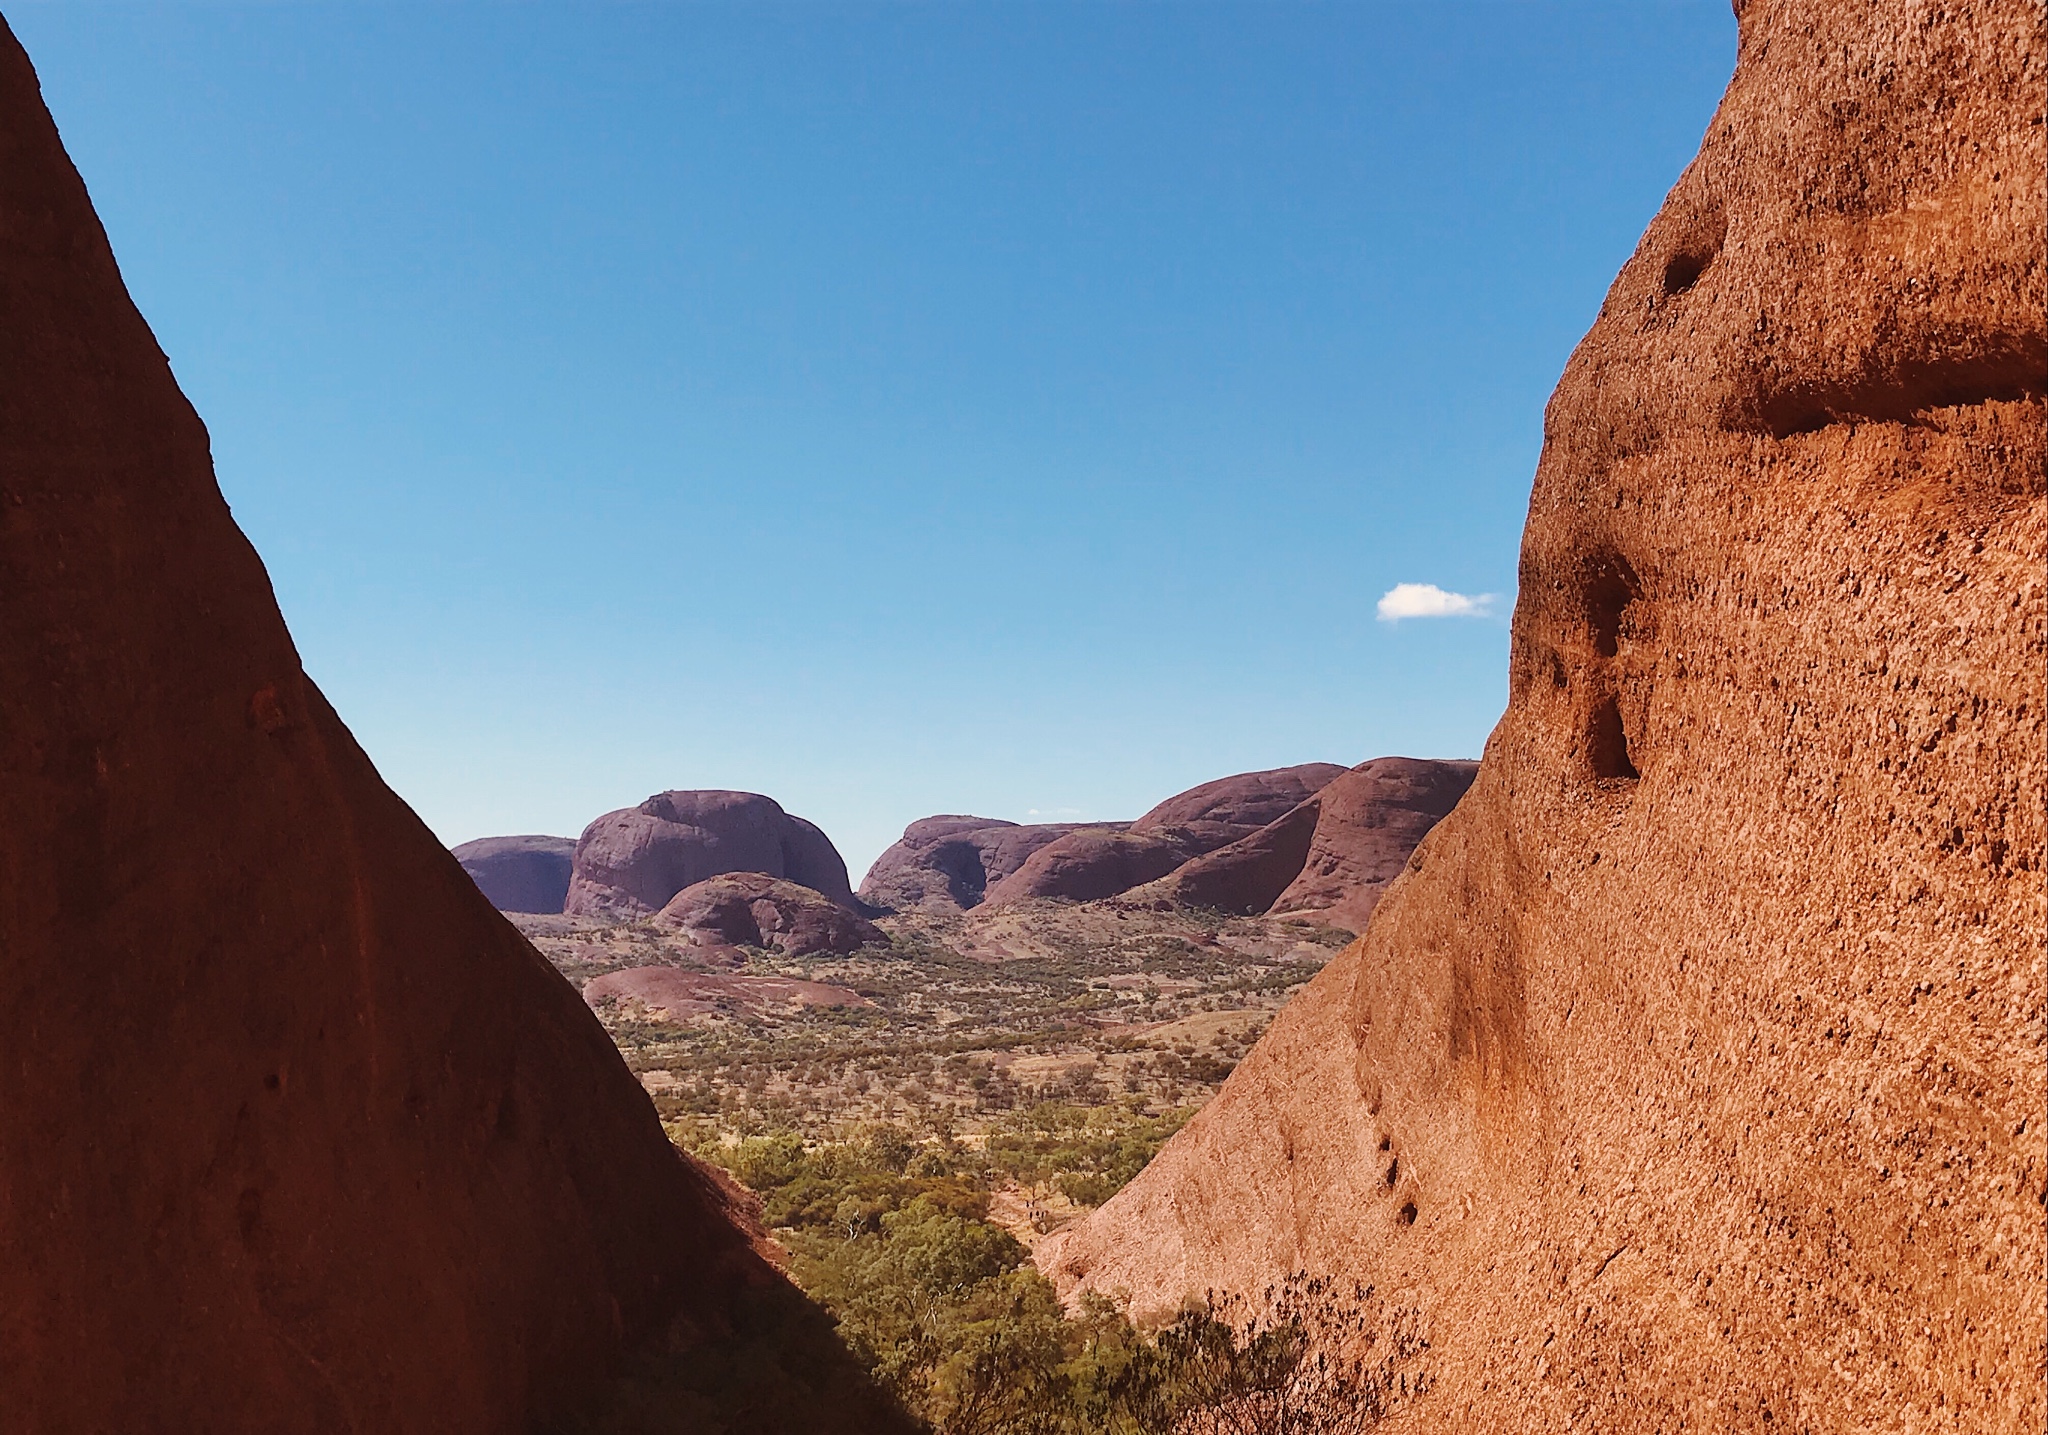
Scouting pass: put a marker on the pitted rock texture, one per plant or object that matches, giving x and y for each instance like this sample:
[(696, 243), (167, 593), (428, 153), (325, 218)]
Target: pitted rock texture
[(947, 864), (1367, 823), (297, 1133), (750, 909), (1694, 1074), (629, 863), (1094, 863), (520, 874)]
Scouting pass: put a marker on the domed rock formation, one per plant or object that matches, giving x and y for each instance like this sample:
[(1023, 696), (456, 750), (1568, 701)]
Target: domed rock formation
[(629, 863), (1368, 822), (1693, 1071), (1218, 813), (1329, 857), (520, 874), (1096, 862), (1245, 877), (948, 863), (749, 909), (298, 1133)]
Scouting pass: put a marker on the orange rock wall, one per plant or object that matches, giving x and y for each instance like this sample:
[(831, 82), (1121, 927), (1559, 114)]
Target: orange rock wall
[(296, 1133), (1693, 1077)]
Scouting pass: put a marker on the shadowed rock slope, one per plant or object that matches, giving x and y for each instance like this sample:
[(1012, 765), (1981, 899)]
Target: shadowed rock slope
[(1328, 858), (296, 1133), (1694, 1076), (947, 863), (520, 874), (1096, 862)]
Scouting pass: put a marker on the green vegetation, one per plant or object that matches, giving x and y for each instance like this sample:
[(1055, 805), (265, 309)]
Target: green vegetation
[(988, 1078), (961, 1021), (895, 1239)]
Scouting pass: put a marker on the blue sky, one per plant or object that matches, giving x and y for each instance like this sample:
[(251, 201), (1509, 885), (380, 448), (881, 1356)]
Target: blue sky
[(1011, 408)]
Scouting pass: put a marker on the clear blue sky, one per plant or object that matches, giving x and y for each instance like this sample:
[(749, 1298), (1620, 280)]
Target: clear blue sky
[(1011, 408)]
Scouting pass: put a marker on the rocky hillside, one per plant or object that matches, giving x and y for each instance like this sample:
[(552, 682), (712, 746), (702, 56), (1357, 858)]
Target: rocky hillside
[(1693, 1074), (1096, 862), (298, 1133), (1239, 844), (631, 862), (520, 874), (946, 864)]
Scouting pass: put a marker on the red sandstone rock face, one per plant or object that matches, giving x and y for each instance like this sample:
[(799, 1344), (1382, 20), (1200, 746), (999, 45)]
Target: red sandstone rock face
[(947, 864), (1095, 862), (1329, 857), (520, 874), (1368, 822), (1694, 1076), (1247, 876), (682, 995), (297, 1133), (631, 862), (748, 909), (1218, 813)]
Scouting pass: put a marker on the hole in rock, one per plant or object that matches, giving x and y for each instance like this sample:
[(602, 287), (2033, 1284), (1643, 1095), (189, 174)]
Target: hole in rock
[(1607, 743), (1994, 368), (1609, 586), (1393, 1173), (1683, 270), (1408, 1214), (1386, 1143)]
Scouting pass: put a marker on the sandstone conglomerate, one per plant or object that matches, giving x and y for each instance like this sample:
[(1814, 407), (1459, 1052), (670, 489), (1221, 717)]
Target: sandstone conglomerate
[(1693, 1075)]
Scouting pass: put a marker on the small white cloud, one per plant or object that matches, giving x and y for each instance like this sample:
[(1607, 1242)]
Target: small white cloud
[(1426, 600)]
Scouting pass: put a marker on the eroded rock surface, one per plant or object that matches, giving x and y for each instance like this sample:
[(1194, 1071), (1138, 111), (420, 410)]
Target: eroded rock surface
[(1218, 813), (1694, 1074), (629, 863), (1367, 823), (1096, 862), (1327, 858), (1245, 877), (750, 909), (520, 874), (297, 1133), (948, 863)]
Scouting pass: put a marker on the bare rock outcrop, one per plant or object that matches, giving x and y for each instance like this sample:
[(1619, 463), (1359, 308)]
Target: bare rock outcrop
[(1368, 822), (297, 1132), (947, 864), (682, 995), (1217, 813), (629, 863), (751, 909), (1247, 876), (1330, 857), (520, 874), (1096, 862), (1693, 1073)]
